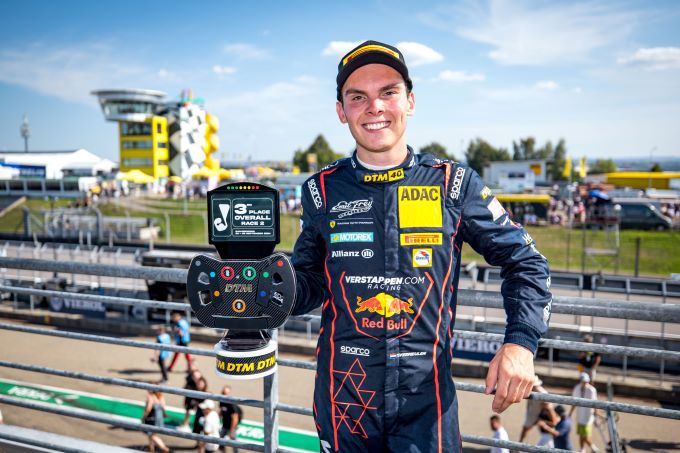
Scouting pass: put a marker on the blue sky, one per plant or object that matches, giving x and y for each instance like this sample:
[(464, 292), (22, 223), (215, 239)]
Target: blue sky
[(605, 76)]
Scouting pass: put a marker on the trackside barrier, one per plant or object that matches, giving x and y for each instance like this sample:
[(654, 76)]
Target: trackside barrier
[(270, 405)]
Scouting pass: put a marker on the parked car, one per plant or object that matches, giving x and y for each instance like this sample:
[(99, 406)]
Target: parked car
[(641, 214)]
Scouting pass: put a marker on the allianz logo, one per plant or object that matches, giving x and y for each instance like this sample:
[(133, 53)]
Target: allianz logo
[(352, 350), (365, 253)]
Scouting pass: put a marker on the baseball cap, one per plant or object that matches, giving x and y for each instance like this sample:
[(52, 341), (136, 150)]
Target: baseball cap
[(207, 404), (584, 377), (370, 52)]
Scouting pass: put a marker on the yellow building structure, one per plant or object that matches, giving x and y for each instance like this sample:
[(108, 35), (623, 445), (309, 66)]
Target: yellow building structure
[(144, 146), (662, 180)]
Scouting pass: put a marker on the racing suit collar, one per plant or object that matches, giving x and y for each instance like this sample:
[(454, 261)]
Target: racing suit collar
[(366, 176)]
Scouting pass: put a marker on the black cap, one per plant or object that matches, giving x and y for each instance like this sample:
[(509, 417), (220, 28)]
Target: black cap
[(371, 52)]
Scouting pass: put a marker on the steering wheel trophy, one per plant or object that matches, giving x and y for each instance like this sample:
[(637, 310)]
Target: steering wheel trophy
[(249, 290)]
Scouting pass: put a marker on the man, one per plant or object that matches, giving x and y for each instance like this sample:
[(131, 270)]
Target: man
[(589, 361), (585, 416), (499, 433), (211, 425), (534, 408), (547, 421), (379, 251), (182, 338), (161, 355), (231, 415), (562, 430)]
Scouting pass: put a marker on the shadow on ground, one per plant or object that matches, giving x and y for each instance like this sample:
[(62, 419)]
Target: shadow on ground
[(653, 445)]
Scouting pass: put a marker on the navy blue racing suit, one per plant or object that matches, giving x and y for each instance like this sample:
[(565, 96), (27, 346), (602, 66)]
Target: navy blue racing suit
[(379, 251)]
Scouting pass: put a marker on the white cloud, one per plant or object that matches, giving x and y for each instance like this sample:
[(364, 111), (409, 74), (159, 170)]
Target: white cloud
[(417, 54), (529, 33), (71, 72), (654, 58), (223, 70), (245, 51), (460, 76), (523, 92), (546, 85), (339, 48)]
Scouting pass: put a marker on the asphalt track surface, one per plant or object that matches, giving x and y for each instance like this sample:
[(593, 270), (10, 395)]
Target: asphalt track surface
[(296, 385)]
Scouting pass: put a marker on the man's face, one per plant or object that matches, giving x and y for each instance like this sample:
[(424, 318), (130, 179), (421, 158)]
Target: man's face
[(375, 106)]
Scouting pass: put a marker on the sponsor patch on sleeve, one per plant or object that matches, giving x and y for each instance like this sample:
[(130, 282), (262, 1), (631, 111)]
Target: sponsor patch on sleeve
[(496, 209), (419, 206)]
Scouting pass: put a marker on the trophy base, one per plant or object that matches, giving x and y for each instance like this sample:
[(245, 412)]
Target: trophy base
[(245, 356)]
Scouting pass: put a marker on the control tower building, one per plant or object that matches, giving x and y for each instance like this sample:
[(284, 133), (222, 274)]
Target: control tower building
[(158, 137)]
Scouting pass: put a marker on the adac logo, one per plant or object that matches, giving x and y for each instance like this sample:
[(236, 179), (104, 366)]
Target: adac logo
[(386, 176), (384, 304)]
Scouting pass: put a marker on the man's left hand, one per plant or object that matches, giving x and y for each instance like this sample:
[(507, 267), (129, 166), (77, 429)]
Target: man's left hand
[(512, 373)]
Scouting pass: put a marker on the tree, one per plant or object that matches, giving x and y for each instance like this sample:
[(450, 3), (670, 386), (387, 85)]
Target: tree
[(526, 149), (324, 154), (656, 167), (602, 166), (479, 153), (438, 150), (559, 158)]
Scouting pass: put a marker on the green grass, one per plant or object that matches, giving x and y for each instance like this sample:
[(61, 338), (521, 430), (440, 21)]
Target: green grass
[(659, 251)]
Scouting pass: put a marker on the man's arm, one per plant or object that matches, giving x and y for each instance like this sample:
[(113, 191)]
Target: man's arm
[(309, 254), (526, 278)]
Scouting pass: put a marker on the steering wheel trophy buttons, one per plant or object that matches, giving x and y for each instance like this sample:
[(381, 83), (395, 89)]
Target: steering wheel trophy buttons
[(227, 272), (249, 273), (237, 292)]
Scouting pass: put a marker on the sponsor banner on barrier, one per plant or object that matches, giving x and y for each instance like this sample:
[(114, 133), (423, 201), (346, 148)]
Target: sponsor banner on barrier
[(469, 348), (88, 308)]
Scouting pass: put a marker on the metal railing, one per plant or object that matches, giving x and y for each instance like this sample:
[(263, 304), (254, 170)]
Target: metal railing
[(270, 405)]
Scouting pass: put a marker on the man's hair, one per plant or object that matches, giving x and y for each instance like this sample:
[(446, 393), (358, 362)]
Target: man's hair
[(495, 418)]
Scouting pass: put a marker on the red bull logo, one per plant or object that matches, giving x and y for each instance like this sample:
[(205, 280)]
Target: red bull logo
[(384, 304)]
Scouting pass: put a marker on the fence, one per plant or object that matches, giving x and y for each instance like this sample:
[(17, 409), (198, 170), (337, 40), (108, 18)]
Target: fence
[(270, 404)]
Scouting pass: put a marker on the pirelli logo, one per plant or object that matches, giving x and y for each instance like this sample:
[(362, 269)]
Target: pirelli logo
[(420, 239), (369, 48), (386, 176)]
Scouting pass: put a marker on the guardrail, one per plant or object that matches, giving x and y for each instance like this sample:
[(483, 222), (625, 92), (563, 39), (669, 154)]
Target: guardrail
[(270, 404)]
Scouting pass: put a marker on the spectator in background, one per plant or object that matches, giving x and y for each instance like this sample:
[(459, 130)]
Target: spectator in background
[(231, 416), (562, 430), (182, 337), (161, 355), (533, 409), (499, 433), (585, 416), (193, 378), (588, 361), (211, 425), (198, 420), (154, 413), (547, 420)]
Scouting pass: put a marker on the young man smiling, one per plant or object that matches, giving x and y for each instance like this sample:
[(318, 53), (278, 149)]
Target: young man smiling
[(379, 251)]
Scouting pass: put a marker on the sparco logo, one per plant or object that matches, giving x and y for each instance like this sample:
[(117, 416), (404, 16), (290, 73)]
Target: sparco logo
[(355, 351), (348, 208), (457, 182), (314, 192)]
